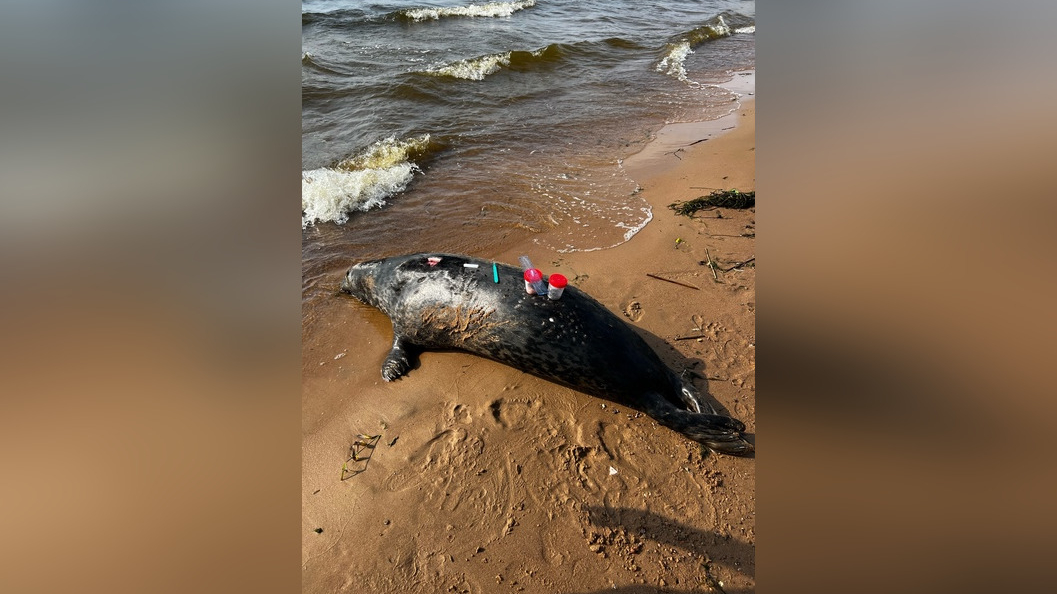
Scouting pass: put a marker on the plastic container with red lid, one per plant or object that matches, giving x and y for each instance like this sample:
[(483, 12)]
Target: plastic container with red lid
[(556, 286), (534, 284)]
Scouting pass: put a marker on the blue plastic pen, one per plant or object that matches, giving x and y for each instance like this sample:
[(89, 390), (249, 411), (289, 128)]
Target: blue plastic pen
[(495, 273)]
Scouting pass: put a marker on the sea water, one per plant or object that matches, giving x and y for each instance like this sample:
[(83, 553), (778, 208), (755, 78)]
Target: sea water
[(469, 126)]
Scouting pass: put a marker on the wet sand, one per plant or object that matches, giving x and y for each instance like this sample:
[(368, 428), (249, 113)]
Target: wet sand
[(485, 479)]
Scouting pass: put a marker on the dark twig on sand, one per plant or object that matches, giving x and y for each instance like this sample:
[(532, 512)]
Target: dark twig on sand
[(739, 264), (691, 337), (711, 265), (673, 281)]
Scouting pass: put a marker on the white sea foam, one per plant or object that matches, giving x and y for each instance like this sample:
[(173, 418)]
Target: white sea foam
[(492, 9), (631, 229), (635, 228), (749, 29), (673, 62), (331, 194), (473, 68), (362, 182)]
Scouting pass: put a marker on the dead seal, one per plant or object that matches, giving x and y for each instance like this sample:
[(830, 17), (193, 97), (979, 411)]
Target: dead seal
[(574, 341)]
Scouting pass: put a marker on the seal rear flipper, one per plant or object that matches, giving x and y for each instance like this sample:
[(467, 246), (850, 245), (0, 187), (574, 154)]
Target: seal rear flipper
[(691, 399), (717, 432), (398, 361)]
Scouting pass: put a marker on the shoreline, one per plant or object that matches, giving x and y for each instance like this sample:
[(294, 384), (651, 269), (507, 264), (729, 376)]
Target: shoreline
[(498, 479), (651, 161)]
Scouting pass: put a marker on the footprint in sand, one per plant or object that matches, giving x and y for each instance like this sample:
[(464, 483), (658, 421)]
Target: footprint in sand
[(514, 413), (435, 452), (633, 310)]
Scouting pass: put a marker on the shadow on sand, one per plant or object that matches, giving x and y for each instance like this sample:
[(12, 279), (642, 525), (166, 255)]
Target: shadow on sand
[(711, 548)]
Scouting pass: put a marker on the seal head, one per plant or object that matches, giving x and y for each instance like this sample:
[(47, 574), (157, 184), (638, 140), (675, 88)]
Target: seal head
[(359, 282)]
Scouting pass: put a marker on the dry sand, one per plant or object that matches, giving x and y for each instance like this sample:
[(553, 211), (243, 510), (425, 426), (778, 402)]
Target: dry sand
[(486, 479)]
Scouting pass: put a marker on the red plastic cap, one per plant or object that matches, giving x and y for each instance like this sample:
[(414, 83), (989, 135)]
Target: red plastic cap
[(533, 274), (558, 281)]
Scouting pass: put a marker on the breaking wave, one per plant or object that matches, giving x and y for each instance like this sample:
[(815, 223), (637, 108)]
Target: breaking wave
[(472, 68), (492, 9), (675, 53), (521, 61), (361, 182)]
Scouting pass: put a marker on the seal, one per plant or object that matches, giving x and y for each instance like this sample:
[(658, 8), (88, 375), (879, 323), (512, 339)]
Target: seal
[(435, 302)]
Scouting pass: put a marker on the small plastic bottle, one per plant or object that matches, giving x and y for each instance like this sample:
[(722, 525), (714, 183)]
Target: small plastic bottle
[(534, 282), (556, 286)]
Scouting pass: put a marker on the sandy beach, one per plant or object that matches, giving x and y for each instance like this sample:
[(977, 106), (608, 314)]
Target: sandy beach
[(486, 479)]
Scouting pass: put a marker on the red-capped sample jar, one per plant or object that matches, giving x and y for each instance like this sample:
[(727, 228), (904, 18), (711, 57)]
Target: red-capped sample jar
[(556, 286), (534, 281)]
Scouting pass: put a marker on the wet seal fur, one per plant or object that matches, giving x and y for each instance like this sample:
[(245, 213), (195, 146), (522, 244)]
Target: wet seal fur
[(574, 341)]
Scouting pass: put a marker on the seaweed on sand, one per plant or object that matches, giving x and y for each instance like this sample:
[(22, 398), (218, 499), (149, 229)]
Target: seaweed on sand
[(718, 198)]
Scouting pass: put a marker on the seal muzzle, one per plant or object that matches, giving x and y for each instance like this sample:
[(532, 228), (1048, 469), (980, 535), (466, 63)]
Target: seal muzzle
[(359, 282)]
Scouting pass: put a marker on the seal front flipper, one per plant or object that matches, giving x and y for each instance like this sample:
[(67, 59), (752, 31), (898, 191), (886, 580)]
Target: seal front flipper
[(398, 361), (717, 432)]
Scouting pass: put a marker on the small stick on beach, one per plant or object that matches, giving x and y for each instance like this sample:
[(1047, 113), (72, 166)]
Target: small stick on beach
[(739, 264), (690, 337), (711, 265), (673, 281)]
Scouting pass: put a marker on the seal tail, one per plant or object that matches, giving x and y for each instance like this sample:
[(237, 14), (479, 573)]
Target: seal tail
[(721, 434)]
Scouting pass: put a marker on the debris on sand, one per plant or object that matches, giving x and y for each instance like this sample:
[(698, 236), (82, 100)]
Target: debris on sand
[(718, 198)]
